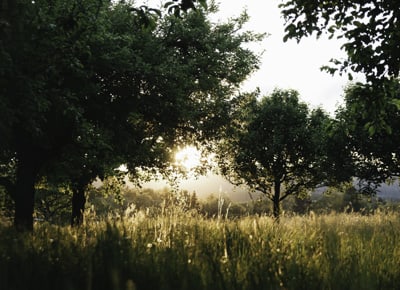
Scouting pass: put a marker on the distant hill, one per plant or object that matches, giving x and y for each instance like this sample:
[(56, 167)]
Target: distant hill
[(390, 192)]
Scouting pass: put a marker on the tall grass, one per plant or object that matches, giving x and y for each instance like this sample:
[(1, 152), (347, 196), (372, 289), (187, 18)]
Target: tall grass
[(177, 250)]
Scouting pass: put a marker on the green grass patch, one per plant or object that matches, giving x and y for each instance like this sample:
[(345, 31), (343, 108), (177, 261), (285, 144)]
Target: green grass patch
[(183, 251)]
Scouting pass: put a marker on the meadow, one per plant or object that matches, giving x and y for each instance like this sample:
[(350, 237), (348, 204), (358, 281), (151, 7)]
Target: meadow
[(184, 250)]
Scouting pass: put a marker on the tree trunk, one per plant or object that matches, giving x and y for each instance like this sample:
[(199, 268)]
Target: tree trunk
[(27, 171), (276, 200), (78, 205)]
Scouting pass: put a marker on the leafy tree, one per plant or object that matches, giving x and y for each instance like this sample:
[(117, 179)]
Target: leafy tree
[(370, 29), (371, 37), (374, 155), (87, 86), (275, 147), (48, 84), (361, 142), (191, 76)]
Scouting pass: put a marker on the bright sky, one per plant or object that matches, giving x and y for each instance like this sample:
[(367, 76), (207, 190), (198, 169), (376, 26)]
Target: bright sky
[(289, 65)]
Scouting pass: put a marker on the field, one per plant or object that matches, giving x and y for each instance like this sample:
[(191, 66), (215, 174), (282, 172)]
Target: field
[(178, 250)]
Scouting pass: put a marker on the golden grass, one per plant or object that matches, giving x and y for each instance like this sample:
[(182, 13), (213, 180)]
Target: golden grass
[(180, 250)]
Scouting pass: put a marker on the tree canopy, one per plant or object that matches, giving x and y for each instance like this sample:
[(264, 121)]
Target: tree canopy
[(374, 155), (275, 146)]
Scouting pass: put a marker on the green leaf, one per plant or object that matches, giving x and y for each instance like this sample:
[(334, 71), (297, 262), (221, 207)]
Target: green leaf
[(395, 102), (350, 76), (371, 128)]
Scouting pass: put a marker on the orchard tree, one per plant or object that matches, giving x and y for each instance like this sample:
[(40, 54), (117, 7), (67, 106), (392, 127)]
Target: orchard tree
[(362, 143), (193, 79), (374, 154), (77, 167), (371, 38), (275, 146), (88, 85), (51, 86)]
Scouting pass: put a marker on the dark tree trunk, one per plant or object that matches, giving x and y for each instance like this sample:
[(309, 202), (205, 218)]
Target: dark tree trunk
[(78, 205), (276, 200), (26, 174)]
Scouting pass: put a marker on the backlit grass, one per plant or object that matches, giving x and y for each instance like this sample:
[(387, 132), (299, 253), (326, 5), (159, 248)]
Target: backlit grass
[(186, 251)]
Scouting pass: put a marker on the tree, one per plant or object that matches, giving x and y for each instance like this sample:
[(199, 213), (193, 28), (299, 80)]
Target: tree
[(47, 81), (361, 142), (275, 146), (370, 29), (374, 155), (371, 36), (101, 88), (190, 75)]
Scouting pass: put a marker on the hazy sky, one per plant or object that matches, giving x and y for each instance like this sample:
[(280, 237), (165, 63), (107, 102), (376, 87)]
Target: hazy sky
[(289, 65)]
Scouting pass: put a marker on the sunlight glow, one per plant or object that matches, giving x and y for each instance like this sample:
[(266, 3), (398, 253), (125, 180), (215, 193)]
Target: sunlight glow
[(188, 157)]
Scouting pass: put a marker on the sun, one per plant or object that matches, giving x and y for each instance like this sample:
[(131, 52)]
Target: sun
[(188, 157)]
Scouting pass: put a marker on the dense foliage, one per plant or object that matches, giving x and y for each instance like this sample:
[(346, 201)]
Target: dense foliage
[(373, 155), (275, 146), (88, 85)]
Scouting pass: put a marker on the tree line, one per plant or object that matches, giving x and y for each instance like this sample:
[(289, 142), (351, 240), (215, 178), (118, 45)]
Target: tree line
[(88, 85)]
